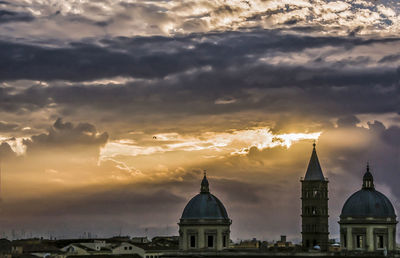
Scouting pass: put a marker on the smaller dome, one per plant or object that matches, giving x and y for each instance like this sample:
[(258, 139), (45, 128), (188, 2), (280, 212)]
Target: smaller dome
[(368, 202), (368, 180)]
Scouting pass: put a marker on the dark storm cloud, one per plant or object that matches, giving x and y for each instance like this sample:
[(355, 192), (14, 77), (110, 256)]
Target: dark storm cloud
[(256, 87), (392, 136), (153, 57), (201, 68), (350, 120), (65, 135), (390, 58), (270, 71), (7, 16)]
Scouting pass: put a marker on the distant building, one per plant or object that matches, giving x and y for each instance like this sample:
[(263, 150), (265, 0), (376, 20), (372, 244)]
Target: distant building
[(314, 206), (204, 223), (127, 248), (88, 248), (101, 247), (283, 243), (96, 245), (5, 247), (77, 249), (35, 247), (368, 220), (248, 244), (165, 241)]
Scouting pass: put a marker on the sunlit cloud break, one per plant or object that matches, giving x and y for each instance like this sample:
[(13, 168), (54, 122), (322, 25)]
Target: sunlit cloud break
[(15, 143), (233, 142)]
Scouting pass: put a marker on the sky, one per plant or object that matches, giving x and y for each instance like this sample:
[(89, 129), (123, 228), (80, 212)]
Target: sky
[(110, 110)]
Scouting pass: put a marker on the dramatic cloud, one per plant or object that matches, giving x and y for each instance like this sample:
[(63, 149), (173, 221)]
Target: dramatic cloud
[(126, 18), (214, 143), (267, 178), (65, 135), (8, 16), (152, 92), (268, 73)]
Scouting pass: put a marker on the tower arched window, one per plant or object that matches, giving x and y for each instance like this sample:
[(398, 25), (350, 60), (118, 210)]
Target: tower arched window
[(315, 193), (314, 211)]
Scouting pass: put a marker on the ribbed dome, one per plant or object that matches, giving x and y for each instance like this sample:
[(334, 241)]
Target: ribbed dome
[(204, 206), (368, 203)]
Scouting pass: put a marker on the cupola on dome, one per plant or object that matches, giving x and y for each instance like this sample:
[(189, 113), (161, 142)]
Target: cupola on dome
[(368, 202)]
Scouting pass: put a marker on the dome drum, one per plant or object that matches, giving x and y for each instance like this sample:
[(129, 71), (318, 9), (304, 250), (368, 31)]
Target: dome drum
[(205, 222), (369, 220)]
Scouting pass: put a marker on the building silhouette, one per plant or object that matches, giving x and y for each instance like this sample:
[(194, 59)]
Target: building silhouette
[(314, 206), (368, 220)]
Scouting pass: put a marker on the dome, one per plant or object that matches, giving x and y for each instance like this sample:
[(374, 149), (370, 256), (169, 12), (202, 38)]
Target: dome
[(368, 202), (205, 205)]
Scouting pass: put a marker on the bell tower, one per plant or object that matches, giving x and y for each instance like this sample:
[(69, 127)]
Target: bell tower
[(314, 206)]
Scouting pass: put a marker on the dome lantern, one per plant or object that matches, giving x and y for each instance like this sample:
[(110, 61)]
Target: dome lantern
[(204, 184), (368, 180)]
